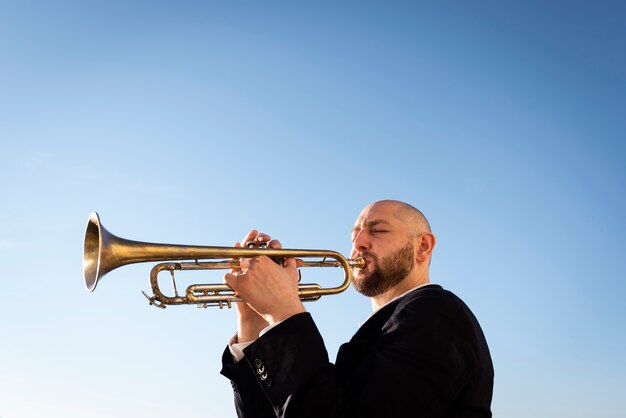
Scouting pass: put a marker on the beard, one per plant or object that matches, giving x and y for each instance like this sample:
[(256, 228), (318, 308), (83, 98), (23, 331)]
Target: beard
[(387, 272)]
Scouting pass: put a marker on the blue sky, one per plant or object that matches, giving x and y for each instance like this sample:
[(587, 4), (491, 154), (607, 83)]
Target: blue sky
[(193, 122)]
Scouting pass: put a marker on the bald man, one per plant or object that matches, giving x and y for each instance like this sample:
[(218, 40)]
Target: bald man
[(421, 353)]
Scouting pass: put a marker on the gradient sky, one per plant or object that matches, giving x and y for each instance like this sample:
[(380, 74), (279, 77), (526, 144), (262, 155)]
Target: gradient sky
[(193, 122)]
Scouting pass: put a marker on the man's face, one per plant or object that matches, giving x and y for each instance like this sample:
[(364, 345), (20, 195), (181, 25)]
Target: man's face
[(383, 241)]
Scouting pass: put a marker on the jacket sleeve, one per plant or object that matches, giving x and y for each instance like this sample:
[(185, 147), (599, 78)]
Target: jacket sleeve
[(250, 400), (276, 366)]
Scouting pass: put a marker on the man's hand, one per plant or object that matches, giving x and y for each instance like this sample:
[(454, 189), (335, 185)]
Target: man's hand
[(270, 290)]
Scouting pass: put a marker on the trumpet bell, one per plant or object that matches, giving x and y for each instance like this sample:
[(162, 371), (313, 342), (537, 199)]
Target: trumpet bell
[(92, 250)]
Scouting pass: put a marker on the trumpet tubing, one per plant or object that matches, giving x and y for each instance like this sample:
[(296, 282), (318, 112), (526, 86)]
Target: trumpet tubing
[(104, 252)]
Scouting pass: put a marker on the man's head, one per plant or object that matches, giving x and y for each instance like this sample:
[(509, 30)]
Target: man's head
[(396, 241)]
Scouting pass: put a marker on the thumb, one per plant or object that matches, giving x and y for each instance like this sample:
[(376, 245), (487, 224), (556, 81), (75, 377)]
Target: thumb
[(291, 263), (230, 280)]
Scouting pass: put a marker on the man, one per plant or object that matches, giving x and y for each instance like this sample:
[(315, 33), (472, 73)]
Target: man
[(421, 354)]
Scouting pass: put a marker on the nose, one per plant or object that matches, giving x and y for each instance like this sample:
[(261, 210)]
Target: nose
[(361, 242)]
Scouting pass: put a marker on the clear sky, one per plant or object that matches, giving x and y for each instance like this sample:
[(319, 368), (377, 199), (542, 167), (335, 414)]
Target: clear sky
[(193, 122)]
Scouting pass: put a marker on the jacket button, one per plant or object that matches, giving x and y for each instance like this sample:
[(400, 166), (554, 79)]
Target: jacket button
[(258, 363)]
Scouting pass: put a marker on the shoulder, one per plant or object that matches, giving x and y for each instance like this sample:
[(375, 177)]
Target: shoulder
[(435, 308), (432, 298)]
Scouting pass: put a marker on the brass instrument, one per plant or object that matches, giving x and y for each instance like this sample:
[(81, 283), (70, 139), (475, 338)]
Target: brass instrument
[(104, 252)]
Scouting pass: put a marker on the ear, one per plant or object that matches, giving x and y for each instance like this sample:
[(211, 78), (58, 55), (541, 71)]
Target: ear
[(425, 246)]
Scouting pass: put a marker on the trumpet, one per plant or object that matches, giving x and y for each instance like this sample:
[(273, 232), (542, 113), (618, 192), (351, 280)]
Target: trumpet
[(104, 252)]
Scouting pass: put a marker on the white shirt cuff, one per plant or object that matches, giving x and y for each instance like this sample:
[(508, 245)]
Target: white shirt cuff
[(236, 349)]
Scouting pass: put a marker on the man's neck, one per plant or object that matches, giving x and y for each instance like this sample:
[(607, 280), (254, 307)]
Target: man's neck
[(404, 286)]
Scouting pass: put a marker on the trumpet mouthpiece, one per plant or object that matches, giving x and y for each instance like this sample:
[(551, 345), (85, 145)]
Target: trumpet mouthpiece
[(359, 263)]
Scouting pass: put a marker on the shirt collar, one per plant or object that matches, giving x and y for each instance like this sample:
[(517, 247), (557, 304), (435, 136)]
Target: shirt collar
[(401, 296)]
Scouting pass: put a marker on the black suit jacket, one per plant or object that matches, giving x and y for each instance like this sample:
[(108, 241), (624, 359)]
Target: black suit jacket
[(423, 355)]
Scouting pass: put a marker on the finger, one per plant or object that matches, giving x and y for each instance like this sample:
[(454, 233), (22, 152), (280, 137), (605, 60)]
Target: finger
[(256, 239), (251, 236), (263, 237), (244, 263), (291, 263), (274, 244), (260, 241)]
